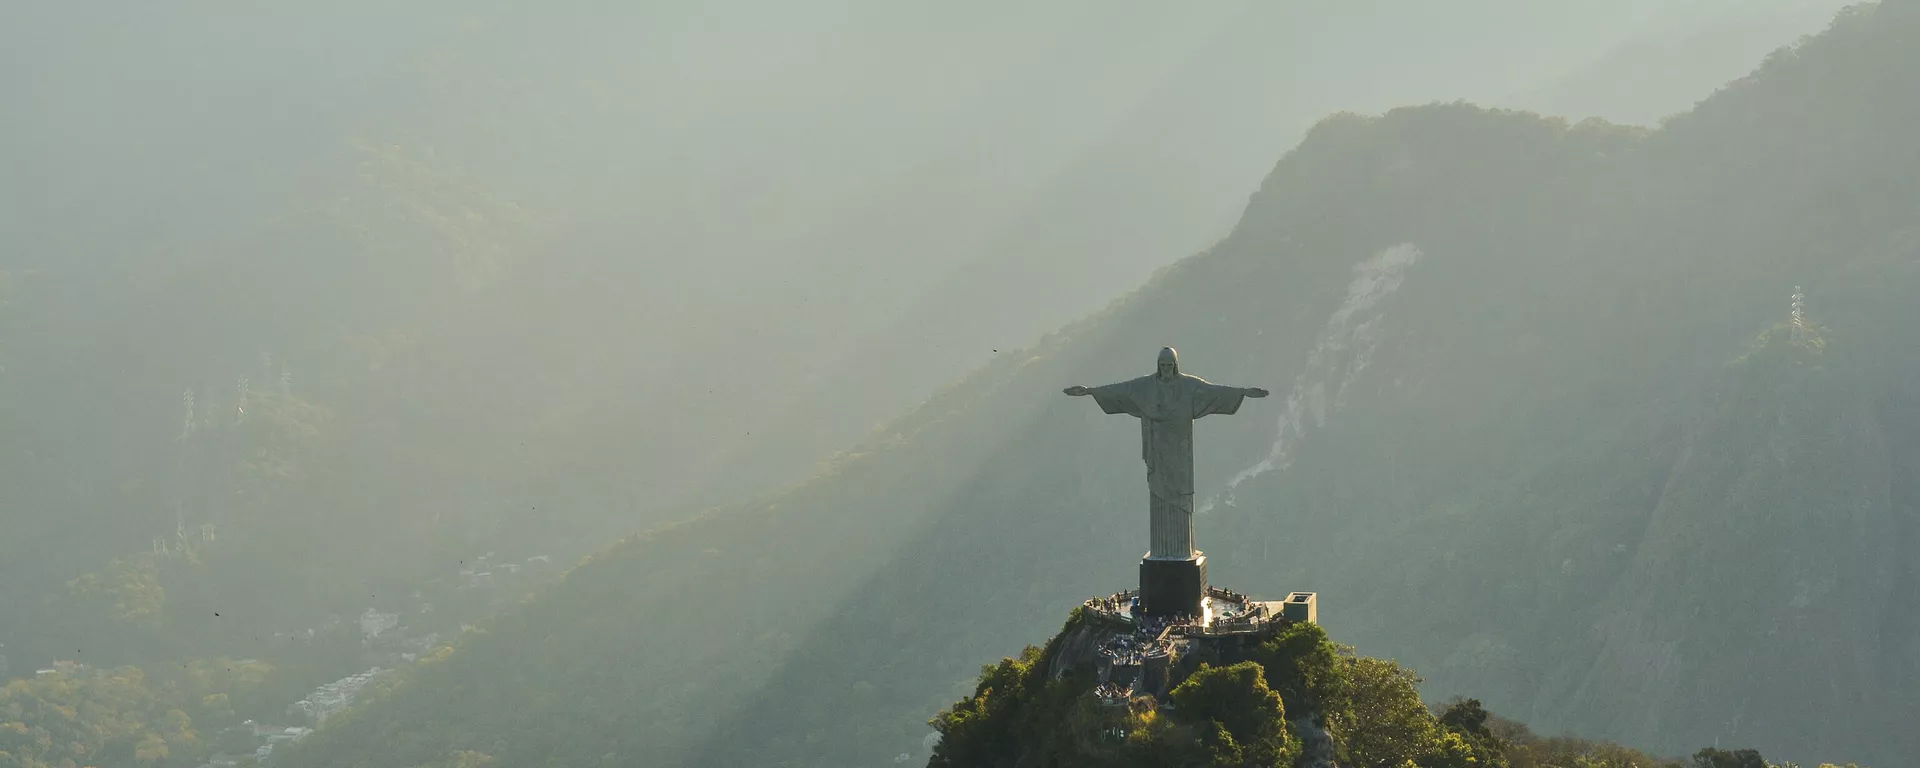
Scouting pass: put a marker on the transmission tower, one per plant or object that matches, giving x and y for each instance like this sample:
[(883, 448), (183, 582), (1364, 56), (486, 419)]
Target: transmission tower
[(240, 411), (186, 408), (1799, 315)]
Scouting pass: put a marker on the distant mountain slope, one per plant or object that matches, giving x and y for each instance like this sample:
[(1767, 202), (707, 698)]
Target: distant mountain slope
[(1538, 434), (1675, 64)]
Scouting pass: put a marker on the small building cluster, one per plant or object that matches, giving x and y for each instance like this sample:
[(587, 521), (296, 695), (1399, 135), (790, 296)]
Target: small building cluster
[(275, 738), (410, 649), (333, 698), (263, 738), (374, 623), (487, 571), (62, 667)]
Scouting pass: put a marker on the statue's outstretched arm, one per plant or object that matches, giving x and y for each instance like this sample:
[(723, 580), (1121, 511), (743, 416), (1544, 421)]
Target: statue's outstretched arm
[(1113, 398)]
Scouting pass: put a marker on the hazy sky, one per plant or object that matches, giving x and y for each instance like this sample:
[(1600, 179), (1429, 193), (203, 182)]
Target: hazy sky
[(857, 199)]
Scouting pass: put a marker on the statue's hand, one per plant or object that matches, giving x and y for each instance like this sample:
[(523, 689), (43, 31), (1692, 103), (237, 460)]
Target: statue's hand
[(1257, 392), (1077, 391)]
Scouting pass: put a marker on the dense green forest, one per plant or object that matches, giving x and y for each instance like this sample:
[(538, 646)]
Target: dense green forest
[(1550, 433)]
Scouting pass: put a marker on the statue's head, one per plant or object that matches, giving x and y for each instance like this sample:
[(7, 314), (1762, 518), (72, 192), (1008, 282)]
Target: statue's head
[(1169, 364)]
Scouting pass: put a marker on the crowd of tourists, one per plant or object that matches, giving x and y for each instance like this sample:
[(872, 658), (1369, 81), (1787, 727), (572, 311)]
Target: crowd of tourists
[(1118, 605), (1113, 692), (1148, 640)]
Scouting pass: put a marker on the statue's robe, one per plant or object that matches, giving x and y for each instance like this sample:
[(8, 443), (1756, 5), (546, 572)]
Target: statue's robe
[(1166, 410)]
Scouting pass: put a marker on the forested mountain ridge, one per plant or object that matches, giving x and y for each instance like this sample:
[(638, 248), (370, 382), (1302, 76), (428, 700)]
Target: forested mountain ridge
[(1540, 436)]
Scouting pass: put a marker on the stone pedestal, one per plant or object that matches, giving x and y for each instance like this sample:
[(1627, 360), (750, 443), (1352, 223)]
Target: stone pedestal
[(1173, 587)]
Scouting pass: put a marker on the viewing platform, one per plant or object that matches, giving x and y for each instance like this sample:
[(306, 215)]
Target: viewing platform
[(1224, 612), (1137, 654)]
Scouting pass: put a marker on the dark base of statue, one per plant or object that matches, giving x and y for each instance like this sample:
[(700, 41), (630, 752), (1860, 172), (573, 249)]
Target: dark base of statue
[(1172, 587)]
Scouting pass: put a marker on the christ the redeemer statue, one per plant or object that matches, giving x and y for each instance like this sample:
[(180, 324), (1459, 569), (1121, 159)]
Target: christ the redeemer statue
[(1166, 403)]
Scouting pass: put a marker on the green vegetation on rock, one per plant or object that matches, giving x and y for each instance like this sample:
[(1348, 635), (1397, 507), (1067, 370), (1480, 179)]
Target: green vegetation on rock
[(1036, 712), (1024, 714)]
